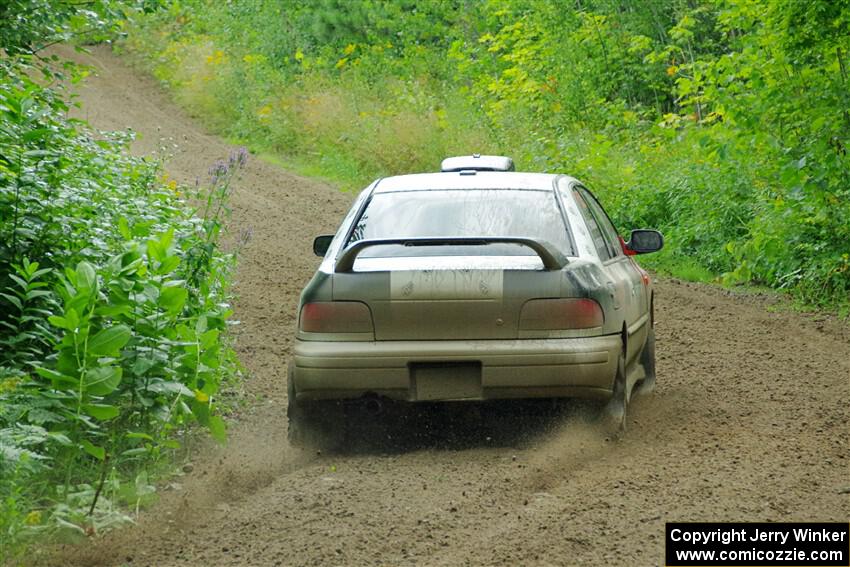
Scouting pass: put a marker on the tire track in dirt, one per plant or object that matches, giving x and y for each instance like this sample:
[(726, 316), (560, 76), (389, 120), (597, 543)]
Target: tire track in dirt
[(748, 422)]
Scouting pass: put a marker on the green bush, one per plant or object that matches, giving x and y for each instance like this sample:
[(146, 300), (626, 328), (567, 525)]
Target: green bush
[(113, 315)]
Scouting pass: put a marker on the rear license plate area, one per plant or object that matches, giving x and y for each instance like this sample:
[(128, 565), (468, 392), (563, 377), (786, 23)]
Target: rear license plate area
[(446, 381)]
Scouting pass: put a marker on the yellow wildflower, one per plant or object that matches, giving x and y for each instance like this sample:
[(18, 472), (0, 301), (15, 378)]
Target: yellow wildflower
[(216, 58), (33, 518), (8, 385), (252, 58)]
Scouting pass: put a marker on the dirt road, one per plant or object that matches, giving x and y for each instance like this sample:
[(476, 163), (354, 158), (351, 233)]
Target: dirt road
[(749, 421)]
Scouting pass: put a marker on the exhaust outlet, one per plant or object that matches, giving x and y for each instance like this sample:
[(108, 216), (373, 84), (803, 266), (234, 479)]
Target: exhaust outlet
[(374, 406)]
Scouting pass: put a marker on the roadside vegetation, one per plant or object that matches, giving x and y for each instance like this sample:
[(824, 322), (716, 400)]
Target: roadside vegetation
[(724, 123), (113, 297)]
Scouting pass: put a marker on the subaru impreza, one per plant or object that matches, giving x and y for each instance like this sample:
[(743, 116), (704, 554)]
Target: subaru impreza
[(473, 283)]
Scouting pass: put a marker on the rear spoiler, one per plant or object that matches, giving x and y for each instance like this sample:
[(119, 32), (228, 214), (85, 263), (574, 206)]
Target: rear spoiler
[(551, 256)]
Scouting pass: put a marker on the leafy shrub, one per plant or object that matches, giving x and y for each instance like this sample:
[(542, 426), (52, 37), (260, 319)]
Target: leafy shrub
[(113, 313)]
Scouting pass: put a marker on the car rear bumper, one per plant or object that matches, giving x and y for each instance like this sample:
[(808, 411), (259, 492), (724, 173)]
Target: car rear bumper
[(457, 370)]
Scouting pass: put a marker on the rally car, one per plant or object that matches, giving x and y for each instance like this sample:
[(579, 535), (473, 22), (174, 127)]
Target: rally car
[(474, 283)]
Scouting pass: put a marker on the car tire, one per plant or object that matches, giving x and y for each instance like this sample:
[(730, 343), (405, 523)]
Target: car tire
[(612, 416), (313, 424), (647, 360)]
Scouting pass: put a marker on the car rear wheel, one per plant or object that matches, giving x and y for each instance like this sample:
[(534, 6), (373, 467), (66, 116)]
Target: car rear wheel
[(612, 416), (314, 424), (647, 360)]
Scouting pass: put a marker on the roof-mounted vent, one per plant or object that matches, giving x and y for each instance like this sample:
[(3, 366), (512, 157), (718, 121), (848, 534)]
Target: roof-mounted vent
[(477, 162)]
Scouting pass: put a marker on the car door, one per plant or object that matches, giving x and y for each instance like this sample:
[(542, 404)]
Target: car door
[(624, 280)]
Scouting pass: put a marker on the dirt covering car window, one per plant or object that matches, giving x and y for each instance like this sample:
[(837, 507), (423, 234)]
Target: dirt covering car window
[(467, 212)]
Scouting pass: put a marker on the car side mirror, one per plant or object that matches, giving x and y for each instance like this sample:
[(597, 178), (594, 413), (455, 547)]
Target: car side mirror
[(644, 241), (321, 244)]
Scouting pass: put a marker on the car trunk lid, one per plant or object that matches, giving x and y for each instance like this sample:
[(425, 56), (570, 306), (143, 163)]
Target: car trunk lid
[(452, 297)]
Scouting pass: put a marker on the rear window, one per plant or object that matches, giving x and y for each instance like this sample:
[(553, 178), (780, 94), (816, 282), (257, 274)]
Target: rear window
[(449, 213)]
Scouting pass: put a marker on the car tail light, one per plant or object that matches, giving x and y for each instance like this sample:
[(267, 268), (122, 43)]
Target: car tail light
[(557, 314), (336, 317)]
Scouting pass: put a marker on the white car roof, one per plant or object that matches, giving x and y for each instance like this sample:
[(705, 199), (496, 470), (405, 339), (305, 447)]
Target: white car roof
[(467, 180)]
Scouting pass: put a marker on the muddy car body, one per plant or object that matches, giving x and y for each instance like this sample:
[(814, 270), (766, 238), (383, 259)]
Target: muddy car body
[(475, 283)]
